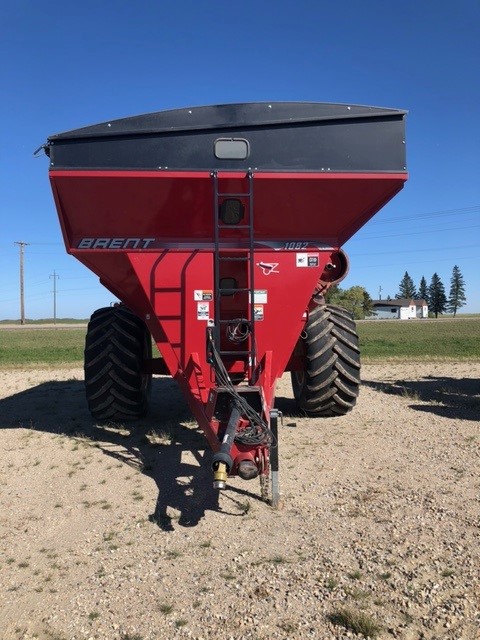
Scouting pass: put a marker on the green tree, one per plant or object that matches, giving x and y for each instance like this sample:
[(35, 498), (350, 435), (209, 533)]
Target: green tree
[(436, 296), (406, 288), (331, 292), (456, 298), (423, 290), (352, 300), (367, 305)]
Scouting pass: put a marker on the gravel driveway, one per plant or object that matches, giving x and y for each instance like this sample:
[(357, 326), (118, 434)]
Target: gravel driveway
[(114, 533)]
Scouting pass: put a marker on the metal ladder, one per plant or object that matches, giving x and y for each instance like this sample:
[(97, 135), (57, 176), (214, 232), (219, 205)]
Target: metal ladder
[(247, 257)]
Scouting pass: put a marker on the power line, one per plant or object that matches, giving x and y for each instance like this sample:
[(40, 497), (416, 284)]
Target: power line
[(100, 287), (383, 253), (417, 262), (431, 214), (415, 233)]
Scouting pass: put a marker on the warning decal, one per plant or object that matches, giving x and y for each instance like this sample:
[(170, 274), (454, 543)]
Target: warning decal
[(259, 295), (258, 312), (203, 310), (307, 260), (203, 294)]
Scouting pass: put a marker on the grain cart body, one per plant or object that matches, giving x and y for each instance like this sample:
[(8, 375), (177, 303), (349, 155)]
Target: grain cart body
[(218, 226)]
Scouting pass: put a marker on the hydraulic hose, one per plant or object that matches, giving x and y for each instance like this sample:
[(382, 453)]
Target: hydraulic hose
[(222, 460)]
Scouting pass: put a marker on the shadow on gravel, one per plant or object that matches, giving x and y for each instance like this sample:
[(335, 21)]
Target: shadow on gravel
[(454, 398), (289, 410), (154, 445)]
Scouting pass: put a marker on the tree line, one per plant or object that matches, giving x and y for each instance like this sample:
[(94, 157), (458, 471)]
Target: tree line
[(434, 294), (358, 301)]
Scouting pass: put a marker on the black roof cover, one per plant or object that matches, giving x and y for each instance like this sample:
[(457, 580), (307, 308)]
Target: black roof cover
[(229, 116), (277, 136)]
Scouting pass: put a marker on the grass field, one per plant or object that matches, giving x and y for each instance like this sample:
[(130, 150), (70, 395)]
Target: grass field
[(451, 338), (456, 339), (24, 347)]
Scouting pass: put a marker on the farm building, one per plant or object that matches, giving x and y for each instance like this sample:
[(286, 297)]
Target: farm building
[(399, 308)]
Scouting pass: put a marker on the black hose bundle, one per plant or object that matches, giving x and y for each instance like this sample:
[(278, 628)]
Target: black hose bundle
[(258, 431)]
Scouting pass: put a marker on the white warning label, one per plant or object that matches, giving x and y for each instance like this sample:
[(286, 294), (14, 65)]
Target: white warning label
[(260, 296), (307, 260), (203, 310)]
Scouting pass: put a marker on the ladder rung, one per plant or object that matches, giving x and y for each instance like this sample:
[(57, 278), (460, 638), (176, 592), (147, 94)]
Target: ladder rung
[(234, 226), (234, 195), (232, 259), (242, 290)]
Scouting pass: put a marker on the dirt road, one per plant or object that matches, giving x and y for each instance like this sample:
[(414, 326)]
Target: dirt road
[(116, 534)]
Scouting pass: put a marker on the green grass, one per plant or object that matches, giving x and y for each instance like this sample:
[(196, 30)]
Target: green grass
[(446, 338), (166, 608), (359, 622), (457, 339), (25, 347)]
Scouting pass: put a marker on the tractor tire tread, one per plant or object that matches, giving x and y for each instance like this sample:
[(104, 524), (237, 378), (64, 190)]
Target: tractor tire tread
[(116, 345), (330, 383)]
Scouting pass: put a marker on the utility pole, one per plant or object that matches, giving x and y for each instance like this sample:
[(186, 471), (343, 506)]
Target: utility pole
[(22, 246), (54, 275)]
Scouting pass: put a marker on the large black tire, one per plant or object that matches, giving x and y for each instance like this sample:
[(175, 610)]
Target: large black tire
[(330, 381), (116, 346)]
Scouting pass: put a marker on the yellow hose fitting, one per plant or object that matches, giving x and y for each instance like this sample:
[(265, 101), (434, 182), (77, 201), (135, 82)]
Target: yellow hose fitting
[(220, 475)]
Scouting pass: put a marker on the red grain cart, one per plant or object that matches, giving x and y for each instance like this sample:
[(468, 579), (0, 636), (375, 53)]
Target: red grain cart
[(220, 228)]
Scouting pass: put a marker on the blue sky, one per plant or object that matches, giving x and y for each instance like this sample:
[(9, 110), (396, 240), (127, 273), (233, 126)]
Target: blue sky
[(69, 64)]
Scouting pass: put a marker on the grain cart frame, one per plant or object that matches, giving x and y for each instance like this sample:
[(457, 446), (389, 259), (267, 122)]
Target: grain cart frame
[(220, 228)]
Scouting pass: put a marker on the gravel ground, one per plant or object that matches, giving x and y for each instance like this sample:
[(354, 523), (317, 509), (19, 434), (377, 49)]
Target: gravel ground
[(116, 534)]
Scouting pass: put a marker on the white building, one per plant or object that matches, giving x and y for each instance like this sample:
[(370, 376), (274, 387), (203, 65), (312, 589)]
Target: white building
[(399, 308)]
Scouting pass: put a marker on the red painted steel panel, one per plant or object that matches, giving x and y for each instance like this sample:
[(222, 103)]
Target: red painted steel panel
[(177, 206), (149, 236)]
